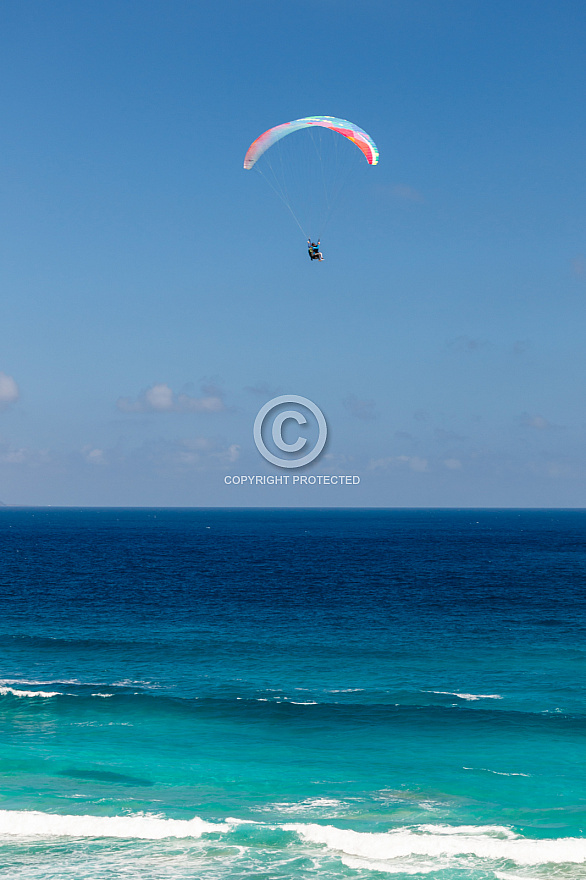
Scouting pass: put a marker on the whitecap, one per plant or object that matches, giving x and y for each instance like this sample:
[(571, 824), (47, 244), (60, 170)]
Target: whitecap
[(26, 823), (346, 690), (467, 696), (4, 681), (496, 772), (398, 867), (504, 875), (4, 691), (485, 842)]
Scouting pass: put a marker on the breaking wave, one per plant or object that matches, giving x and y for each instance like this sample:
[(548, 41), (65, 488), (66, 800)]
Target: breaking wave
[(25, 823), (491, 842)]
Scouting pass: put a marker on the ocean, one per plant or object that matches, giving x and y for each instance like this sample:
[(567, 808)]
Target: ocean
[(292, 694)]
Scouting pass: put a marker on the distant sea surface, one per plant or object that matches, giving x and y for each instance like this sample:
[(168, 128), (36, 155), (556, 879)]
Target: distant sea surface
[(292, 694)]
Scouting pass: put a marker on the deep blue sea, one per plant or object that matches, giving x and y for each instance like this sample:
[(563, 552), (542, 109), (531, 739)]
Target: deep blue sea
[(292, 694)]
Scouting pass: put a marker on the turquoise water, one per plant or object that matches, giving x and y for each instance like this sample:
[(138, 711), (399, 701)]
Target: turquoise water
[(292, 694)]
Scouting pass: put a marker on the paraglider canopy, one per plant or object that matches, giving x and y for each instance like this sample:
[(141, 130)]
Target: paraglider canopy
[(308, 172), (359, 137)]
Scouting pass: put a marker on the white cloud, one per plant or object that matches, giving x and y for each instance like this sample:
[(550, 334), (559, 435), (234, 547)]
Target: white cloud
[(9, 392), (13, 456), (160, 398), (407, 193), (539, 423), (466, 344), (413, 462), (232, 454), (579, 266), (453, 464), (361, 409), (179, 454), (22, 455), (263, 389), (445, 436), (93, 455), (338, 463)]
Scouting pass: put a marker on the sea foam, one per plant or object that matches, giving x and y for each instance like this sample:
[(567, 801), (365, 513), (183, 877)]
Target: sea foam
[(25, 823), (493, 843), (5, 691), (469, 697)]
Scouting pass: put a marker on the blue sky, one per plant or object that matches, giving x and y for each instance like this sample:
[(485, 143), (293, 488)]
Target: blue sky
[(155, 295)]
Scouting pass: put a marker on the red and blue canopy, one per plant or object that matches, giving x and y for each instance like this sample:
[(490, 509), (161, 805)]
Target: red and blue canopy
[(359, 137)]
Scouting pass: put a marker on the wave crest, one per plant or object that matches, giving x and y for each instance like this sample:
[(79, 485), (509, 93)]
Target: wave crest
[(493, 843), (25, 823), (5, 691)]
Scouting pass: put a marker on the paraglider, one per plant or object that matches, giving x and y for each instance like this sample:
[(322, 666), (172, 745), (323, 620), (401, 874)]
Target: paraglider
[(309, 177), (313, 250)]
